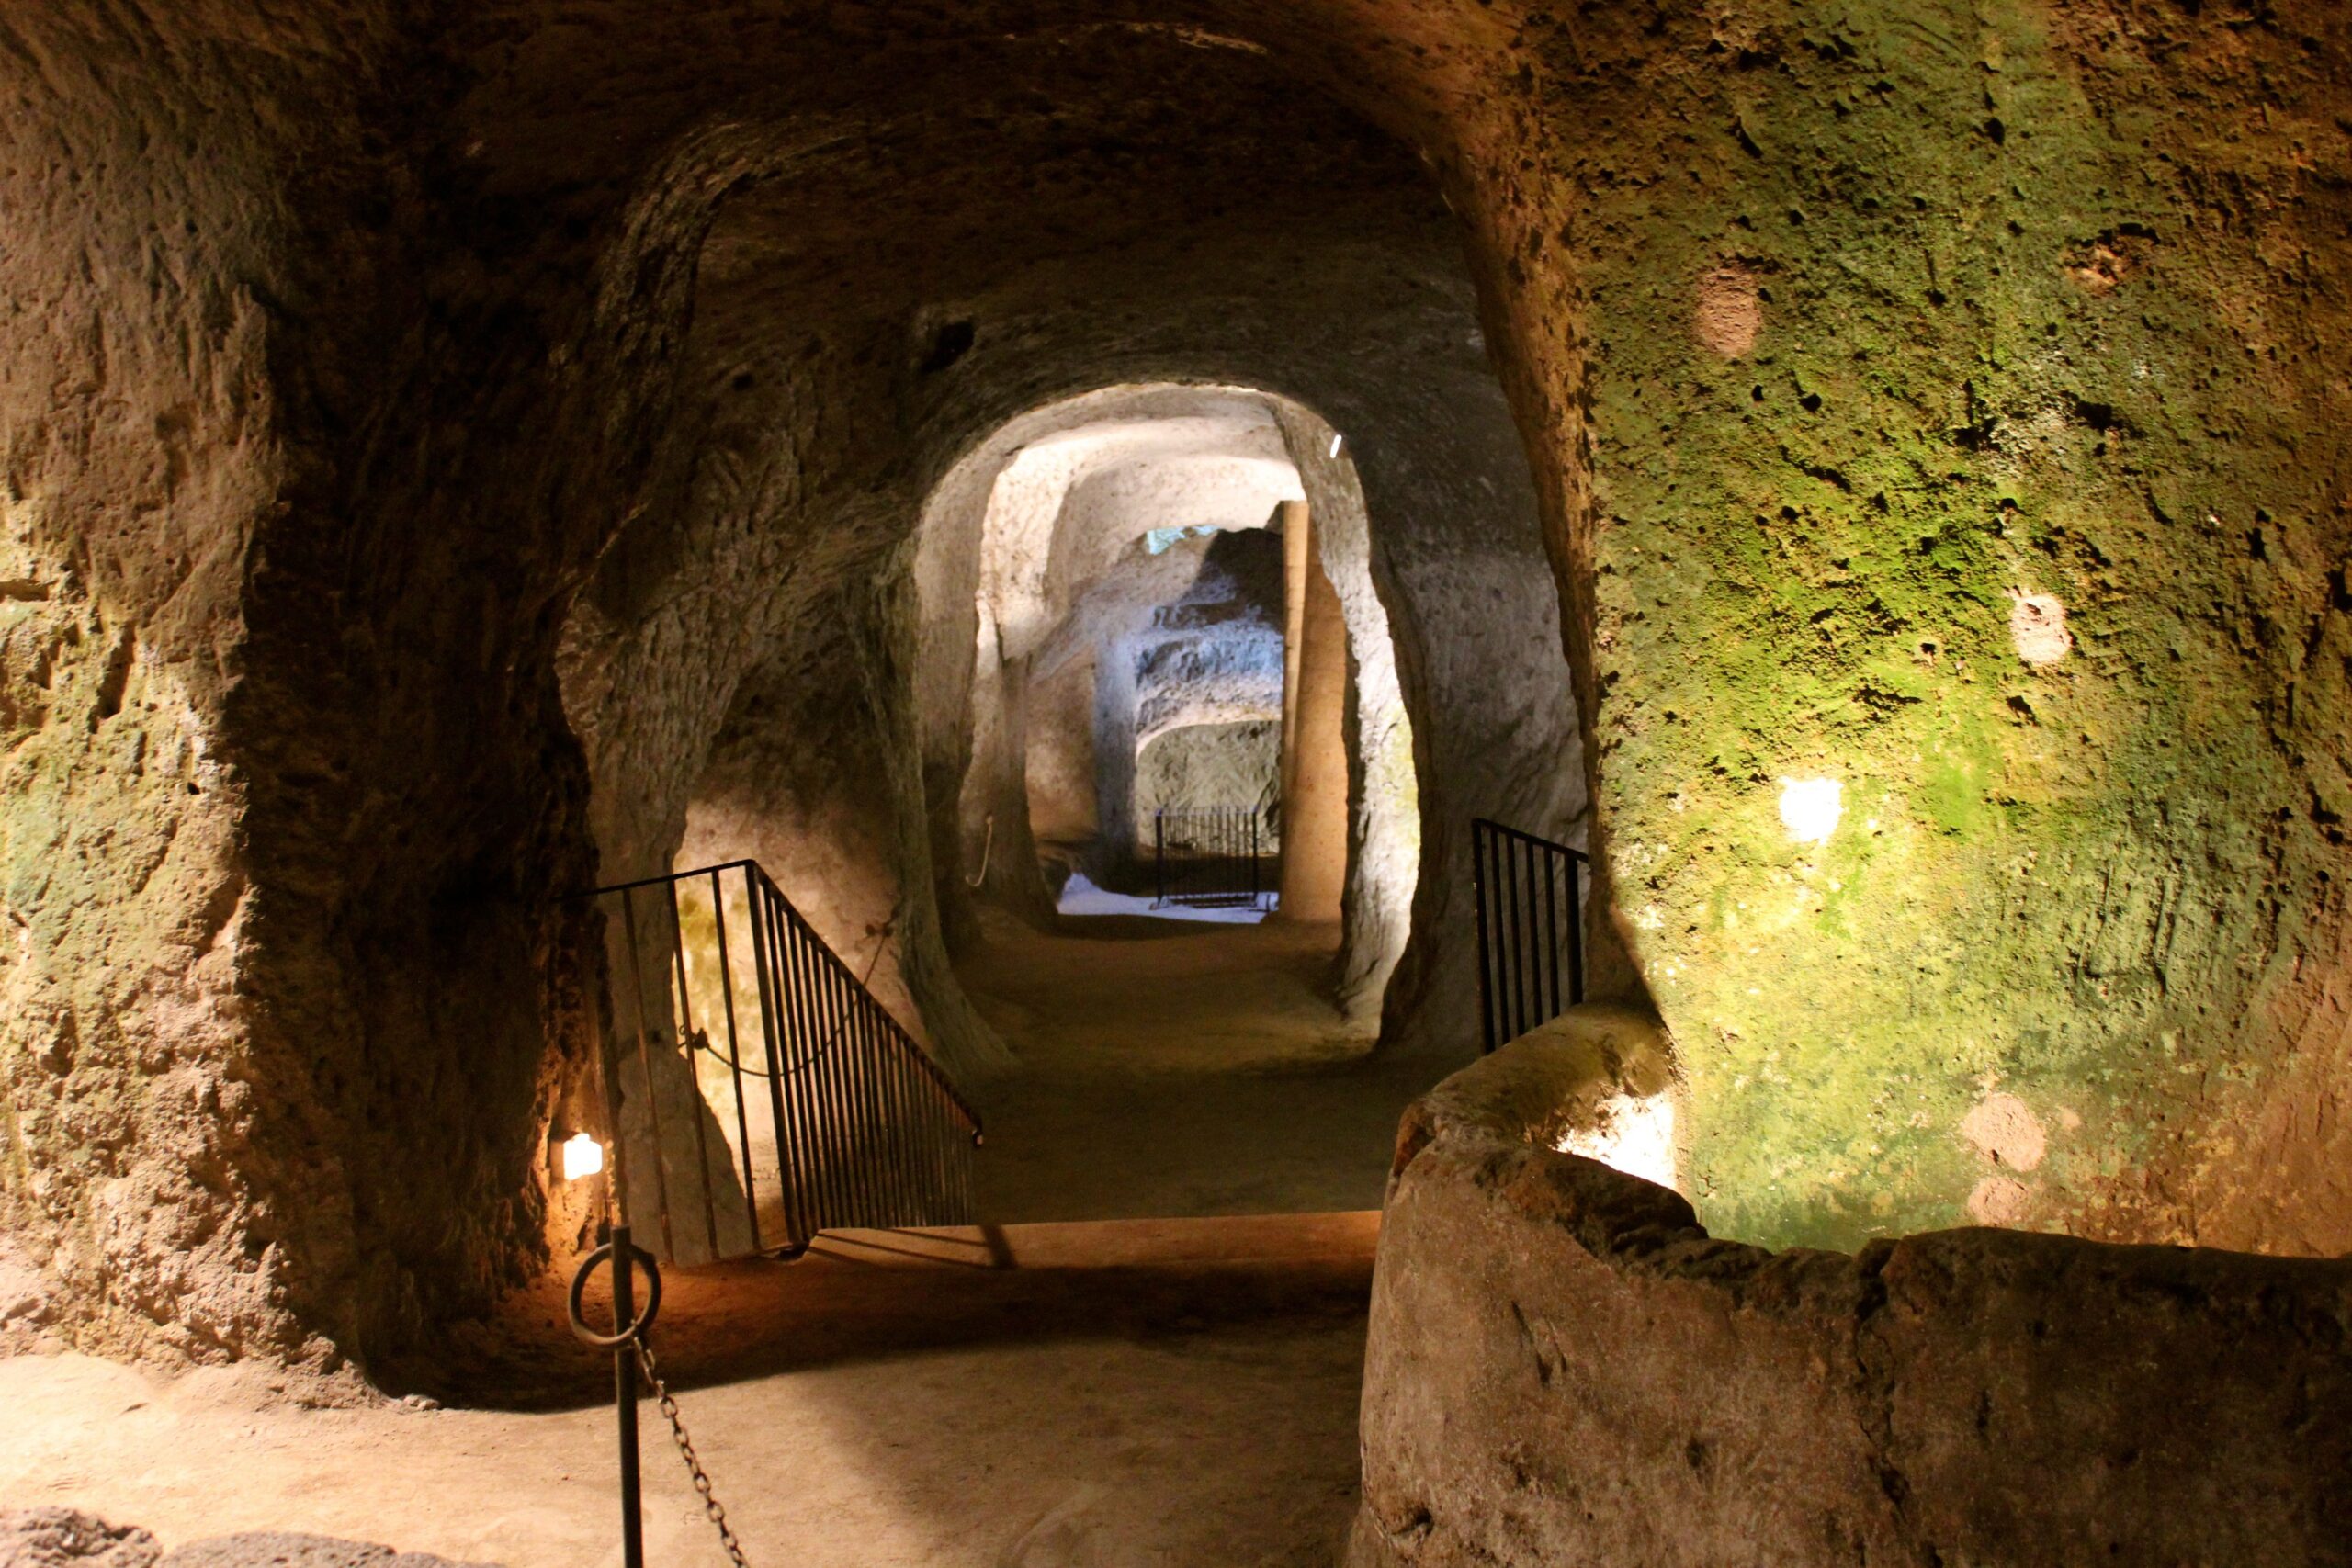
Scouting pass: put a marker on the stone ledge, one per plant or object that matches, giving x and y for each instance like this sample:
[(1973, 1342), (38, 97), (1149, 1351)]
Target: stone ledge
[(1563, 1366)]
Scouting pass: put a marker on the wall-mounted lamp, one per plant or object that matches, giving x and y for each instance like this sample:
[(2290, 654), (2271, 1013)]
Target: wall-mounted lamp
[(583, 1156), (1335, 445), (1810, 808)]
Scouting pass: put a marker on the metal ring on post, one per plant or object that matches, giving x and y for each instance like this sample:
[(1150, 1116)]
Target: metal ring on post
[(644, 1319)]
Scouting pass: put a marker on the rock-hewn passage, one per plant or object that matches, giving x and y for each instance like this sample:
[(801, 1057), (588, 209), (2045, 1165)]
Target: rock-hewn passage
[(1877, 469), (1566, 1367)]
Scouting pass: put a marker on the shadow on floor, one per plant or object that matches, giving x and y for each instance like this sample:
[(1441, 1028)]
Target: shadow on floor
[(867, 1296)]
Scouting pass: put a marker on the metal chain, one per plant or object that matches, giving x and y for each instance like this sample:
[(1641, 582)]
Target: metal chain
[(711, 1504)]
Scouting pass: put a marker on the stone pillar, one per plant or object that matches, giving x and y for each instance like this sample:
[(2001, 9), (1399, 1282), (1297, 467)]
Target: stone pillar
[(997, 845), (1314, 702)]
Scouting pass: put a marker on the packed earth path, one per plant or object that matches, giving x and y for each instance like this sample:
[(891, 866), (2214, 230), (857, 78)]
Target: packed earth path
[(1039, 1396), (1171, 1069)]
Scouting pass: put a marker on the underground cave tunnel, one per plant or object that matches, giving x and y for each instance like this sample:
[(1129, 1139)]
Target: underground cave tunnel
[(894, 495)]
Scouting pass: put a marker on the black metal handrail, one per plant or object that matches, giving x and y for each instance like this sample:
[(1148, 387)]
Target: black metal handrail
[(736, 1012), (1530, 896), (1210, 856)]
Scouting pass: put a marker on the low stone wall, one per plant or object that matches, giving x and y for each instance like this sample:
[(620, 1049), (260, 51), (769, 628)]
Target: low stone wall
[(1565, 1367)]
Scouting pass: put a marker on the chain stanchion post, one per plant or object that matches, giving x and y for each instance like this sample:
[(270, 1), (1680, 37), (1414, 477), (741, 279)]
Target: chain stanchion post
[(632, 1350), (625, 1398), (628, 1332)]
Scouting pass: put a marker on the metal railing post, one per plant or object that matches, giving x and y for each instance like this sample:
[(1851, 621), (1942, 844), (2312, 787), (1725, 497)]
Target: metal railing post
[(1480, 836), (1575, 931)]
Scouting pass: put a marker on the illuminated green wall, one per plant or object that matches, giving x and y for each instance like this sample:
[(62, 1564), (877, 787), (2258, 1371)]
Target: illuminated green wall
[(2035, 310)]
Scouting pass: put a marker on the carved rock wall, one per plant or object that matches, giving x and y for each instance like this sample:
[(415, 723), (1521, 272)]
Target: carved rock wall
[(429, 434), (1565, 1367)]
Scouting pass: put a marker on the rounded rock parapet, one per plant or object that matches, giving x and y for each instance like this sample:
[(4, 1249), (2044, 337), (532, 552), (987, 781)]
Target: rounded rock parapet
[(1564, 1367)]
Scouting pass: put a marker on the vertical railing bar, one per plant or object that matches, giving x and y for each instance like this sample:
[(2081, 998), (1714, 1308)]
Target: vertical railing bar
[(796, 1147), (735, 1061), (1510, 974), (850, 1084), (1497, 879), (1515, 958), (892, 1067), (1533, 974), (1478, 836), (843, 1073), (816, 1070), (915, 1114), (1552, 932), (693, 1073), (1534, 860), (1576, 931), (873, 1109), (821, 1060), (1507, 972), (1540, 867), (912, 1146), (955, 1140), (806, 1124), (645, 1070), (857, 1082), (773, 1026), (931, 1144), (1501, 936), (901, 1129), (950, 1136), (807, 1150), (967, 1154), (942, 1131), (789, 1100)]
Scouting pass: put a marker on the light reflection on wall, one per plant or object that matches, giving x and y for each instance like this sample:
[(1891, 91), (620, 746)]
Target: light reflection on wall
[(1629, 1133)]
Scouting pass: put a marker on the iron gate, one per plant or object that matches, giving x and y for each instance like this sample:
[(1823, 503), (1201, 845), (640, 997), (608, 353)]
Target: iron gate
[(1212, 856)]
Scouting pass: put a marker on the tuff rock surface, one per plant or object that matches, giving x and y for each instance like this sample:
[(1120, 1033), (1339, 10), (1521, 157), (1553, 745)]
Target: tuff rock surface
[(1564, 1367), (439, 447)]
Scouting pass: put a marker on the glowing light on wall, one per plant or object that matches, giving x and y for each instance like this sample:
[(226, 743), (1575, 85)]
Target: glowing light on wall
[(1630, 1134), (1810, 808), (583, 1157)]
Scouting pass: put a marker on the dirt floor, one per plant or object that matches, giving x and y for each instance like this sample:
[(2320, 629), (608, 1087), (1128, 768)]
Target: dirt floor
[(1176, 1069), (1145, 1386), (1182, 1395)]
